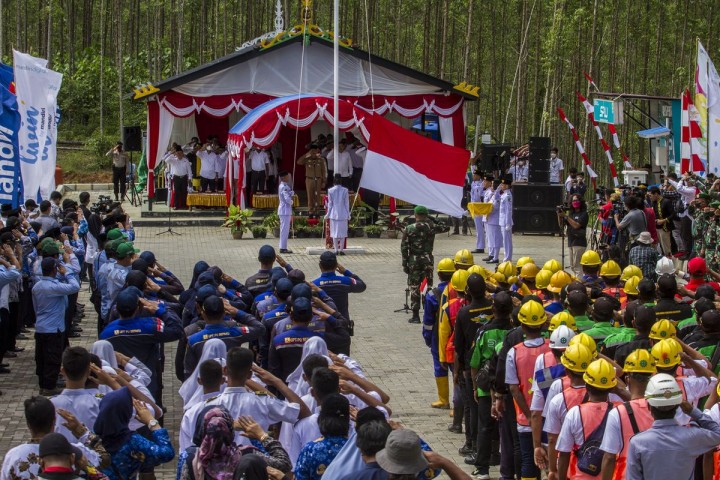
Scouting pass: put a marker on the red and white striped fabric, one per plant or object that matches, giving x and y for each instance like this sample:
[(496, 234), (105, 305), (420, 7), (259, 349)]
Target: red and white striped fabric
[(690, 147), (579, 146), (418, 170), (591, 116)]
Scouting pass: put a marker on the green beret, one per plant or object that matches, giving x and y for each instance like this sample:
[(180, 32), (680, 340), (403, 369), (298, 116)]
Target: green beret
[(715, 204), (705, 196), (420, 210)]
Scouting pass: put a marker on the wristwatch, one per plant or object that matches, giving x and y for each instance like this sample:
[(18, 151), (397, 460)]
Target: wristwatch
[(153, 423)]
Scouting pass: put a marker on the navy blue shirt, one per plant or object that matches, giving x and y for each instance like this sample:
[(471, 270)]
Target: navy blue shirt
[(339, 286)]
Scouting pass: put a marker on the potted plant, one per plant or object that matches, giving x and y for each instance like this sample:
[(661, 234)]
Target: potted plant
[(237, 220), (315, 231), (258, 231), (301, 231), (272, 224), (389, 223), (373, 231)]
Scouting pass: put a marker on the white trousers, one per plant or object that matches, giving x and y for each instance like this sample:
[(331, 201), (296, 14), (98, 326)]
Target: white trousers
[(479, 232), (284, 230), (494, 240), (506, 242)]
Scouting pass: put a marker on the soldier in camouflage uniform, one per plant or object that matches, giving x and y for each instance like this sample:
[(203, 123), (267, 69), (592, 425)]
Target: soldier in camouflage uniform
[(417, 258), (697, 211), (712, 238)]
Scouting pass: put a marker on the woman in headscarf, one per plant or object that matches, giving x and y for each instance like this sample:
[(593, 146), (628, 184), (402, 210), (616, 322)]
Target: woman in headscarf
[(130, 451), (132, 366), (334, 425), (200, 267), (254, 467), (217, 456), (295, 381), (191, 391)]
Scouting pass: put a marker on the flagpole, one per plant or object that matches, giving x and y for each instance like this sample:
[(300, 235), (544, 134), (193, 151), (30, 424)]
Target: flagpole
[(336, 71)]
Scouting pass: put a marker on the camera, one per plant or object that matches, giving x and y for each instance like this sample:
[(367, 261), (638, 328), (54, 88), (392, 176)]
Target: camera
[(102, 206), (562, 208)]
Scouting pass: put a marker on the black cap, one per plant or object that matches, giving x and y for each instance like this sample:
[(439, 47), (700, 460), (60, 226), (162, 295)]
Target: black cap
[(127, 299), (266, 253), (204, 292), (296, 275), (301, 290), (284, 287), (55, 444), (489, 178), (302, 310), (149, 257), (328, 257), (603, 310), (213, 305)]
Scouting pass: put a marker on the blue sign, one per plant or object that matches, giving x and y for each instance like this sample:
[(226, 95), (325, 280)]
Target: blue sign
[(9, 166), (608, 111)]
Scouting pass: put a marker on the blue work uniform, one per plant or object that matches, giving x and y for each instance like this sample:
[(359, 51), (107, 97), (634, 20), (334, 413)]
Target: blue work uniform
[(430, 326)]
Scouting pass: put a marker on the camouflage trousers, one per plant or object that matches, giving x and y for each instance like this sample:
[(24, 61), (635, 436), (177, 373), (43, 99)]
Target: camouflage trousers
[(418, 273)]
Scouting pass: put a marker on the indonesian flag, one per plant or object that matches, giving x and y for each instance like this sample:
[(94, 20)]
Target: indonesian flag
[(418, 170), (690, 147)]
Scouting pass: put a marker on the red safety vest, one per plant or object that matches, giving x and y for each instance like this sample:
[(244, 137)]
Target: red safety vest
[(618, 293), (525, 367), (591, 415), (644, 421), (453, 309), (571, 395)]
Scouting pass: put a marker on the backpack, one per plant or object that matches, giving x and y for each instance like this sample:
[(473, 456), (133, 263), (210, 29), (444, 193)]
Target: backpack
[(589, 456), (678, 205)]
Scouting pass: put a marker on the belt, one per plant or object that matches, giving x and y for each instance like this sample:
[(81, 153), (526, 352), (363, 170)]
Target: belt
[(313, 178)]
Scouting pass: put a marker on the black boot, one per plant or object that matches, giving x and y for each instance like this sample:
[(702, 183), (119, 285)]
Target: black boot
[(415, 316), (456, 425)]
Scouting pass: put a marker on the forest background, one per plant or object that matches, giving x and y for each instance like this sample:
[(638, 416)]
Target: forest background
[(527, 56)]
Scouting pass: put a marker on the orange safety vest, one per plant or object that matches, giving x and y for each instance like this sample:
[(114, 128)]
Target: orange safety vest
[(618, 293), (525, 367), (453, 309), (644, 421), (591, 415), (572, 396)]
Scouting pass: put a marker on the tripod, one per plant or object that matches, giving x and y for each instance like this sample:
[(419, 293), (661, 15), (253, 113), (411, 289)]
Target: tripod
[(561, 224), (405, 308), (135, 198), (169, 229)]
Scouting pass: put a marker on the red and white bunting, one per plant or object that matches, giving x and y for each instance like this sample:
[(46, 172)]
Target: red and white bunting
[(691, 133), (579, 146)]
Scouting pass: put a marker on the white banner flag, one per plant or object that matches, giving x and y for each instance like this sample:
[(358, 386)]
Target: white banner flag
[(37, 88), (707, 101)]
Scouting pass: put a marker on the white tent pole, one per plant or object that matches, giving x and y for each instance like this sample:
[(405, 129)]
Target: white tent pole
[(336, 72)]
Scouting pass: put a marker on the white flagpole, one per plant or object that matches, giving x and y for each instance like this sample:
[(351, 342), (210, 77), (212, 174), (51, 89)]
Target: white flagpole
[(336, 71)]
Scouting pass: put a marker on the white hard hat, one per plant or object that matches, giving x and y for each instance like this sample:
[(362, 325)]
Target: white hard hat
[(663, 391), (665, 266), (560, 337)]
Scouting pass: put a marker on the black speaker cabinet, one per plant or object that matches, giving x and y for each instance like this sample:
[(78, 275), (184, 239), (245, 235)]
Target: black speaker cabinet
[(492, 158), (540, 143), (161, 195), (132, 139), (535, 220), (537, 196), (539, 176)]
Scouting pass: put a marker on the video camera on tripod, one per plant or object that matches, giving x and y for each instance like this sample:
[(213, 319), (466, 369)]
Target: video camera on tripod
[(102, 206)]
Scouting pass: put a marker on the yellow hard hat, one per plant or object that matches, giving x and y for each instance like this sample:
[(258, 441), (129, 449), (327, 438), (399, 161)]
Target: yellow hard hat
[(524, 261), (497, 277), (576, 357), (542, 279), (666, 353), (506, 268), (590, 258), (459, 280), (562, 318), (559, 280), (552, 265), (529, 270), (610, 269), (479, 270), (663, 329), (631, 271), (446, 265), (600, 374), (512, 279), (586, 340), (532, 314), (640, 361), (463, 258), (631, 285)]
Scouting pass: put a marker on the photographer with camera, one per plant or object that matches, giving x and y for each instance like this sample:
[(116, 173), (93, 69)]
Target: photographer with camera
[(662, 205), (685, 187), (119, 168), (575, 221), (633, 224)]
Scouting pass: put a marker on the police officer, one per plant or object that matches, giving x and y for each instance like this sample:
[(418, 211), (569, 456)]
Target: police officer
[(503, 202), (417, 258), (492, 225), (477, 194), (315, 175)]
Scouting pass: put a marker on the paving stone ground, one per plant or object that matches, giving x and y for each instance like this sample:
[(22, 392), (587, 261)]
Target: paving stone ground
[(392, 351)]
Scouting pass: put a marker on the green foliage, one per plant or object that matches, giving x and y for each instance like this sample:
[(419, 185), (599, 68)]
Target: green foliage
[(271, 221), (238, 220)]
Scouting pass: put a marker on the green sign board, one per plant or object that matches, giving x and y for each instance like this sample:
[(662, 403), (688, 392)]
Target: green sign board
[(608, 111)]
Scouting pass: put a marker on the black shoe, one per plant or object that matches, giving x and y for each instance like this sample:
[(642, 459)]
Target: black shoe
[(495, 260), (479, 250), (74, 335), (24, 330), (4, 365), (481, 473), (10, 355), (341, 253), (455, 232), (465, 450), (285, 250), (470, 459), (4, 370), (414, 319), (17, 349), (22, 337), (487, 259), (77, 329)]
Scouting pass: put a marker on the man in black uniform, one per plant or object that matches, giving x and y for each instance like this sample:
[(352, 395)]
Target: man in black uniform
[(260, 282), (667, 307)]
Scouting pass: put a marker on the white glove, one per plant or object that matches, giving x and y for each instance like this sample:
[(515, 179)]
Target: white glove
[(190, 189), (508, 228)]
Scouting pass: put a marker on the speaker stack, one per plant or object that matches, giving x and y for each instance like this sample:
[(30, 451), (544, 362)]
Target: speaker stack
[(132, 139), (494, 158), (534, 203)]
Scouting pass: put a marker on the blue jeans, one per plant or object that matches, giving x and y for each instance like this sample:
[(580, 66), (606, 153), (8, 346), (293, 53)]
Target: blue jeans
[(527, 466)]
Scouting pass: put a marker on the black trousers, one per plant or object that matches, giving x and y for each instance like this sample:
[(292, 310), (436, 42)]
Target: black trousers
[(271, 183), (207, 184), (119, 180), (48, 357), (15, 322), (485, 426), (257, 181), (510, 459), (7, 335), (27, 311), (470, 408), (180, 186), (356, 175)]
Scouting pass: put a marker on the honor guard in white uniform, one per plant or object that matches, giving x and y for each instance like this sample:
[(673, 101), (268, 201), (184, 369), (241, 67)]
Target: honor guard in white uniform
[(504, 201), (477, 195), (285, 194), (492, 223), (338, 212)]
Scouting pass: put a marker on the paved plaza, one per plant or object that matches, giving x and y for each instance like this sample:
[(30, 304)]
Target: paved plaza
[(392, 351)]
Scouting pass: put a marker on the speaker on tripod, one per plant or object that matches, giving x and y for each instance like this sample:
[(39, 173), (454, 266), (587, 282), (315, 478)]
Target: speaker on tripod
[(539, 166), (132, 139)]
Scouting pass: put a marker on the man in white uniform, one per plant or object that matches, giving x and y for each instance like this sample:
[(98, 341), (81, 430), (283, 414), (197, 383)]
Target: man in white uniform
[(492, 224), (477, 195), (345, 169), (221, 158), (504, 202), (259, 160), (285, 204), (556, 166), (339, 214)]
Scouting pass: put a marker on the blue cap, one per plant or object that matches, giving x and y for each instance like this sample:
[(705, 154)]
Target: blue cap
[(213, 305), (284, 287), (276, 273), (301, 290), (204, 292), (149, 257), (302, 310), (206, 278), (67, 230), (127, 299), (266, 253)]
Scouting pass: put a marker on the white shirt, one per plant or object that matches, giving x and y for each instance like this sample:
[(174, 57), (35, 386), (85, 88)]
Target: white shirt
[(477, 191), (511, 377), (358, 160), (695, 389), (304, 431), (221, 164), (572, 432), (264, 409), (338, 203), (285, 195), (181, 167), (555, 166), (687, 193), (344, 163), (23, 461), (207, 163), (84, 404), (189, 420), (258, 160)]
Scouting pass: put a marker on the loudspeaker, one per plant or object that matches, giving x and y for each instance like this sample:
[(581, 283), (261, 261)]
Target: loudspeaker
[(161, 195), (492, 158), (535, 220), (132, 139), (540, 143), (541, 164), (539, 176), (537, 196)]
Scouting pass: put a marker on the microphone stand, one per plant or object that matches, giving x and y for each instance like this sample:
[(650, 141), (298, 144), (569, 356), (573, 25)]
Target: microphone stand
[(169, 229)]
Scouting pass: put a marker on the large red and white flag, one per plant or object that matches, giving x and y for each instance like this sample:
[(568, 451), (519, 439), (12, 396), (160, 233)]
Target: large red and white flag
[(691, 133), (418, 170)]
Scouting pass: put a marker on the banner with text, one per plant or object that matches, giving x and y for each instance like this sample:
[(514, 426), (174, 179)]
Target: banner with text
[(37, 88), (9, 165)]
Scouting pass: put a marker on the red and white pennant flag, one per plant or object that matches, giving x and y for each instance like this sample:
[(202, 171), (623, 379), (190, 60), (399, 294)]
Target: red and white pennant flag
[(579, 146), (691, 132), (418, 170)]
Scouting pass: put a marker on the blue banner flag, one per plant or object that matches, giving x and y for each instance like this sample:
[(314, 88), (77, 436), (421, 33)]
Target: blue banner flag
[(6, 75), (10, 181)]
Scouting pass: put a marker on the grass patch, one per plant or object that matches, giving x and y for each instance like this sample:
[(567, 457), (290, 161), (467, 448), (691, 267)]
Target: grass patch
[(83, 166)]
